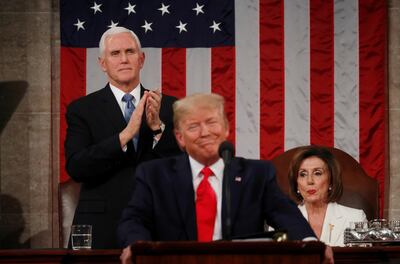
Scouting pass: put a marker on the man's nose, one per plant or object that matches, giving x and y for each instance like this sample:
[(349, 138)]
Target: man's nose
[(204, 129), (124, 57)]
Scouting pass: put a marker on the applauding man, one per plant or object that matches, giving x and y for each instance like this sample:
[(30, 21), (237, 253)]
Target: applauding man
[(111, 131)]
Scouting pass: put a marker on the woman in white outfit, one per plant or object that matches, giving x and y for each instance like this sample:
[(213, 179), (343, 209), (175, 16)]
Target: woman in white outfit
[(316, 183)]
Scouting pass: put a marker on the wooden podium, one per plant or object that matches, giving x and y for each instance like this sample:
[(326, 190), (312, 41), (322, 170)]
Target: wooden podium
[(228, 252)]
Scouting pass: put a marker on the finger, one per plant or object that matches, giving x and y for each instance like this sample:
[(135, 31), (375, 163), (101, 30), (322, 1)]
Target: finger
[(152, 109), (157, 91), (149, 115), (152, 102), (138, 113), (142, 101), (156, 95), (154, 99)]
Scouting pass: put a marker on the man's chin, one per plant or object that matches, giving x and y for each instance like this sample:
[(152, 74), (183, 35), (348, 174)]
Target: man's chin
[(125, 80), (211, 154), (210, 149)]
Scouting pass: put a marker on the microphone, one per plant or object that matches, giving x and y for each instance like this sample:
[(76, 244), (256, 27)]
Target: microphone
[(226, 152)]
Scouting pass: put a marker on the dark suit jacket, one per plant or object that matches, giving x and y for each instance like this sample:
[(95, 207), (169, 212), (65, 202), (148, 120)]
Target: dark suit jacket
[(163, 207), (94, 157)]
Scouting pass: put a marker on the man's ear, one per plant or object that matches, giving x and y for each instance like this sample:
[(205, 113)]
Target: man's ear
[(102, 64), (142, 59), (227, 133)]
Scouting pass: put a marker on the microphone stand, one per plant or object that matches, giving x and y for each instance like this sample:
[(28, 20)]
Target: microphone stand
[(226, 152), (227, 189)]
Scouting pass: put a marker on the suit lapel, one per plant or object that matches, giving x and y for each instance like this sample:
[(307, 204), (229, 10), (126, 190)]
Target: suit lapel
[(143, 131), (237, 181), (333, 223), (145, 134), (110, 109), (184, 193)]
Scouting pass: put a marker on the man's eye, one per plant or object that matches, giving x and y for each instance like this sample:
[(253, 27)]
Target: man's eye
[(192, 127)]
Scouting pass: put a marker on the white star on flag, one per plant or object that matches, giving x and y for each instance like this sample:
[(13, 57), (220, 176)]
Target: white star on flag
[(198, 9), (164, 9), (215, 26), (130, 8), (181, 26), (147, 26), (79, 25), (96, 7), (113, 24)]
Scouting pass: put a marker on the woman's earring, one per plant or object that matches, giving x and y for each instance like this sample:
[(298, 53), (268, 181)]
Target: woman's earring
[(298, 192), (330, 188)]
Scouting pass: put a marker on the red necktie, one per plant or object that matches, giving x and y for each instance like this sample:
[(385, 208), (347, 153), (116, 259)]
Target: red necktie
[(206, 207)]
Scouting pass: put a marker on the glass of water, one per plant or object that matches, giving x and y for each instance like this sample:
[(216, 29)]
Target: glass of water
[(394, 225), (359, 226), (81, 237)]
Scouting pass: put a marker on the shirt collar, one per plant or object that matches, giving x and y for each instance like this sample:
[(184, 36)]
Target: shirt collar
[(217, 168), (118, 93)]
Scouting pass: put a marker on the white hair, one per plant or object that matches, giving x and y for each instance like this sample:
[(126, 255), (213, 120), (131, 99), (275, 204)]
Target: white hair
[(113, 31)]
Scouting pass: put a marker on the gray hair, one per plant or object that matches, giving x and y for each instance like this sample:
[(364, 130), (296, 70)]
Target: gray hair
[(113, 31), (191, 103)]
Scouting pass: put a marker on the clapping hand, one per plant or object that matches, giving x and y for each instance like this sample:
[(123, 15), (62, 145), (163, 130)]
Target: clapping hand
[(153, 104)]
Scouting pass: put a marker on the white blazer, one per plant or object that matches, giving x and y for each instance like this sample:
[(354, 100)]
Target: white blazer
[(337, 219)]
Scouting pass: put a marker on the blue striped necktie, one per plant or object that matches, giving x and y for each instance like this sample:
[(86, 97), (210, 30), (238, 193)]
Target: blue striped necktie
[(129, 108)]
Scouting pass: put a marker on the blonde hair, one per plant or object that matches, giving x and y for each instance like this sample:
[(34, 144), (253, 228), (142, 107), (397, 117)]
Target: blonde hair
[(191, 103)]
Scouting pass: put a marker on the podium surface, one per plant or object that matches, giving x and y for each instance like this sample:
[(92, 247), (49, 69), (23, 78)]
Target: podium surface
[(345, 255), (228, 252)]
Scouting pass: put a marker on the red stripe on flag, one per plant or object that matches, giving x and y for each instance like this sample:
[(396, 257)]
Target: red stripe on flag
[(174, 71), (72, 86), (223, 82), (272, 78), (372, 44), (321, 72)]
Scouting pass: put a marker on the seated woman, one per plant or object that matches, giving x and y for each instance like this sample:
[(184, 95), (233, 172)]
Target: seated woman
[(316, 183)]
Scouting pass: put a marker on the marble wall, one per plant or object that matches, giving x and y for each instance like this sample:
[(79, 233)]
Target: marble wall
[(26, 123), (29, 118)]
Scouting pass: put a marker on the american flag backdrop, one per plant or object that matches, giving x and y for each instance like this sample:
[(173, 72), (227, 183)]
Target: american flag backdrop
[(293, 72)]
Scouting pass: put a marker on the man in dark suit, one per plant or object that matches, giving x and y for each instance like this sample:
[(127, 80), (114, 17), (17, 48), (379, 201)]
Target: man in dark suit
[(167, 202), (111, 131)]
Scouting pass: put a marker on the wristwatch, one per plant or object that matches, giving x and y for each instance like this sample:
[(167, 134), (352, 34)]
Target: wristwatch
[(160, 130)]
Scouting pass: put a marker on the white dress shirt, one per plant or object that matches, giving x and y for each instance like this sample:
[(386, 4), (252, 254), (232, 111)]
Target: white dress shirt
[(118, 93), (216, 183)]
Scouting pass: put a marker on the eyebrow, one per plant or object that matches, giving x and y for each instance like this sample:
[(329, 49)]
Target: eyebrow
[(318, 168)]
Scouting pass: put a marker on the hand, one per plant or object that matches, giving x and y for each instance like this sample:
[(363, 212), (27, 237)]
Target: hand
[(328, 255), (133, 126), (153, 104), (126, 256)]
